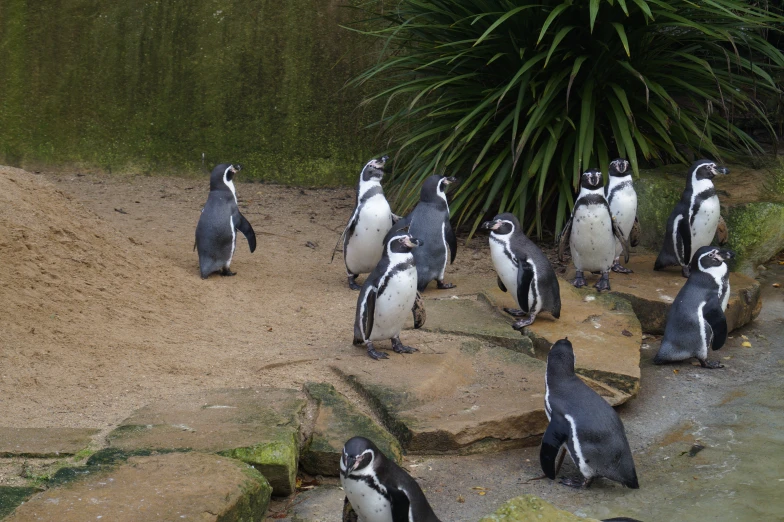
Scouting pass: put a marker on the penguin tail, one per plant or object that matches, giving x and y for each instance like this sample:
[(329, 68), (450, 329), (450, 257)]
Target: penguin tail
[(632, 482), (557, 309), (659, 359), (194, 245)]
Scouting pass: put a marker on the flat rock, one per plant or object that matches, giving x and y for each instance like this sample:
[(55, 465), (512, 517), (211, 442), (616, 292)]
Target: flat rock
[(529, 508), (258, 426), (458, 396), (337, 420), (322, 504), (651, 294), (176, 486), (43, 442)]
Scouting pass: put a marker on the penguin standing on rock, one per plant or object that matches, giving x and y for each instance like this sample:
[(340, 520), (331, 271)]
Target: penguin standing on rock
[(591, 233), (523, 269), (429, 221), (388, 296), (216, 234), (622, 199), (378, 489), (696, 318), (693, 222), (363, 238), (583, 422)]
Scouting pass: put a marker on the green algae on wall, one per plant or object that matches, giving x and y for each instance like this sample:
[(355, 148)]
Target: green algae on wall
[(151, 85)]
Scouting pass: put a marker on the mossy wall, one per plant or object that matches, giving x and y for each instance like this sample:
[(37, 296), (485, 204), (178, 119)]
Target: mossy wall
[(151, 85)]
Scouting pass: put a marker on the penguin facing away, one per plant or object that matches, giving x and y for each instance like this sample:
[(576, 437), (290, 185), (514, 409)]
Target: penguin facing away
[(523, 270), (363, 237), (388, 295), (696, 318), (378, 489), (622, 199), (220, 218), (693, 222), (429, 222), (591, 233), (583, 422)]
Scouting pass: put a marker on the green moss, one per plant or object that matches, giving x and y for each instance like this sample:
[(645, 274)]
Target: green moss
[(255, 500), (657, 193), (276, 460), (531, 509), (10, 497), (756, 233)]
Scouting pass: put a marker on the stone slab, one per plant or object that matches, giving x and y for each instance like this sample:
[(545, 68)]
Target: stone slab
[(651, 294), (321, 504), (529, 508), (337, 420), (43, 442), (176, 486), (258, 426), (454, 397)]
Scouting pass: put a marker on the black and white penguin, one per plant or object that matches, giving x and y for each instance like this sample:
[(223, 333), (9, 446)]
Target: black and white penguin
[(429, 222), (387, 297), (591, 233), (696, 318), (523, 270), (622, 199), (378, 489), (363, 238), (220, 218), (692, 223), (582, 421)]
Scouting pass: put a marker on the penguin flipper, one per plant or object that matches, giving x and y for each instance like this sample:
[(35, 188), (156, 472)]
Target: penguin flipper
[(554, 437), (620, 237), (401, 504), (451, 240), (525, 276), (501, 284), (717, 321), (684, 234), (635, 233), (563, 239), (365, 316), (243, 225)]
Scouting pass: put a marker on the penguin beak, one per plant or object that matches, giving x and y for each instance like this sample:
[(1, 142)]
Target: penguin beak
[(722, 170), (489, 225), (726, 254), (450, 179), (412, 242), (384, 159), (237, 167)]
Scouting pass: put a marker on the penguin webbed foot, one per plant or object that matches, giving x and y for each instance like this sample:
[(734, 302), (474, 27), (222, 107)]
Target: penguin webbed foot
[(576, 482), (399, 347), (579, 280), (514, 312), (617, 267), (522, 323), (352, 282), (225, 272), (444, 286), (603, 283), (685, 271), (376, 355), (711, 365)]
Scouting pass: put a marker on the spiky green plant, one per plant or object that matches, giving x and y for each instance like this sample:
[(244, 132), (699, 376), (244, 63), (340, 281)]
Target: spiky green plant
[(517, 97)]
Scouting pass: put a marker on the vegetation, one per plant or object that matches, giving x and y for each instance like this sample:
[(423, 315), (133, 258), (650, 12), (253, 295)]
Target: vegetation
[(516, 98)]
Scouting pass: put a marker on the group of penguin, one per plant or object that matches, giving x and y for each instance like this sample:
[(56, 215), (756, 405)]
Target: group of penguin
[(404, 254)]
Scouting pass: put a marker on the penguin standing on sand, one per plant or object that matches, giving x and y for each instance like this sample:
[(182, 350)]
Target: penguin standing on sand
[(388, 296), (220, 218), (582, 421), (363, 238), (591, 233), (429, 221), (696, 318), (622, 199), (693, 222), (523, 269), (378, 489)]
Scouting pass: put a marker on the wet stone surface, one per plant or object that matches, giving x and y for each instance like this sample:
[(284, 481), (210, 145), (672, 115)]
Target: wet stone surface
[(43, 442)]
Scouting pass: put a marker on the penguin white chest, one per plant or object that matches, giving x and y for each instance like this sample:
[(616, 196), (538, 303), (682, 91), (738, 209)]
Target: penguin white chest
[(592, 241), (394, 303), (368, 503), (504, 266), (624, 209), (366, 243), (704, 223)]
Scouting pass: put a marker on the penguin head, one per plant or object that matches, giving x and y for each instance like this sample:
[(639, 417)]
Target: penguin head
[(223, 175), (709, 257), (374, 169), (706, 169), (592, 180), (359, 455), (402, 244), (560, 360), (502, 224), (619, 168), (434, 188)]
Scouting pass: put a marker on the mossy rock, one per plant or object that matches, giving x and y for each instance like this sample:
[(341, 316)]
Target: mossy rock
[(276, 460), (756, 234), (337, 420), (529, 508), (10, 497)]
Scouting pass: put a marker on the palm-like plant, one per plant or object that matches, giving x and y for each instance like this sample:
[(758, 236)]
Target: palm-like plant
[(517, 98)]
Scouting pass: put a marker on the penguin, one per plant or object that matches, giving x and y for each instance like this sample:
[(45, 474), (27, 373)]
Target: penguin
[(220, 219), (429, 221), (363, 237), (591, 233), (696, 318), (622, 199), (585, 423), (693, 222), (523, 269), (387, 296), (378, 489)]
